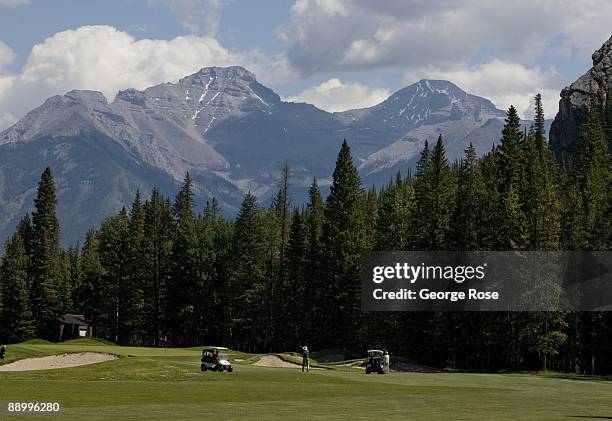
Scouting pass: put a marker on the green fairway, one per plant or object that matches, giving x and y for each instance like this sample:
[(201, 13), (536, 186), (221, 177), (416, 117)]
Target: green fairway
[(167, 384)]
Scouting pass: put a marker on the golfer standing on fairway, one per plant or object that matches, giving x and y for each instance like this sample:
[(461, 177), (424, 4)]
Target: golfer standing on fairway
[(305, 363), (386, 362)]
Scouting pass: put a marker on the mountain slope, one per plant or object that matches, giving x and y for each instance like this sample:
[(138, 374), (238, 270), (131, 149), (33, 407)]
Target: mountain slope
[(390, 135), (590, 89), (229, 131)]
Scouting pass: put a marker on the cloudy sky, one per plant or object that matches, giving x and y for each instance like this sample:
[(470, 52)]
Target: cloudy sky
[(337, 54)]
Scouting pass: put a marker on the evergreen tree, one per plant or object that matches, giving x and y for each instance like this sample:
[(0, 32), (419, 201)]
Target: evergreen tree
[(509, 151), (397, 205), (467, 229), (211, 210), (344, 239), (315, 215), (269, 305), (216, 291), (539, 129), (314, 221), (250, 297), (157, 252), (491, 217), (92, 292), (73, 255), (281, 205), (540, 202), (185, 271), (16, 322), (370, 212), (296, 290), (277, 258), (64, 284), (512, 229), (511, 232), (544, 335), (114, 289), (593, 179), (137, 273), (440, 199), (422, 193), (26, 232), (46, 262), (572, 230)]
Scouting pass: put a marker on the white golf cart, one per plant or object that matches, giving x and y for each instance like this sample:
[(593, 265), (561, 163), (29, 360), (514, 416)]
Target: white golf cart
[(375, 362), (214, 358)]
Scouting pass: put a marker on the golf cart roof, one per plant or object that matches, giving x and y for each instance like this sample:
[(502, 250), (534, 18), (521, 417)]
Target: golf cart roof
[(213, 348), (374, 351)]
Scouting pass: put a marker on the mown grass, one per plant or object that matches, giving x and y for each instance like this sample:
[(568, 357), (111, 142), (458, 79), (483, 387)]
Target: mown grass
[(167, 384)]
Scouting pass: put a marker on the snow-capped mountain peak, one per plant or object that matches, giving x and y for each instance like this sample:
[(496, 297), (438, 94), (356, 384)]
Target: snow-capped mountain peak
[(227, 130)]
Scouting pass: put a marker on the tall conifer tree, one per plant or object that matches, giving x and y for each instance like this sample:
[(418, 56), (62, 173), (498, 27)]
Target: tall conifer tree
[(314, 221), (137, 274), (467, 224), (158, 249), (185, 275), (46, 260), (345, 238), (512, 229), (440, 199), (92, 291), (593, 178), (16, 322), (397, 205), (422, 192)]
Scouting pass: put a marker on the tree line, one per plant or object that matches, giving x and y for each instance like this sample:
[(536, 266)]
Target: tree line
[(162, 274)]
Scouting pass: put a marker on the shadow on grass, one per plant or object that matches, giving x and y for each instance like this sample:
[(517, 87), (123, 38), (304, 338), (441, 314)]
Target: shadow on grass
[(581, 378)]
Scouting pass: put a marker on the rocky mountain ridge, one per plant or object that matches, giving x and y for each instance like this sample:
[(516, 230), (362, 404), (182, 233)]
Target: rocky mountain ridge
[(229, 131), (592, 88)]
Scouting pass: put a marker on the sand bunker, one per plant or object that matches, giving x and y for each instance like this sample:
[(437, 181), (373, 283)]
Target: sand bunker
[(275, 361), (57, 361)]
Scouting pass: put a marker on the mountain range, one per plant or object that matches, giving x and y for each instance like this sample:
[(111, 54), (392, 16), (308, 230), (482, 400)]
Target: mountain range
[(231, 134)]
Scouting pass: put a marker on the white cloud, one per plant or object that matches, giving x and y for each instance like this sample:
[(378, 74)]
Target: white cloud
[(334, 95), (6, 56), (11, 3), (450, 39), (199, 17), (105, 59), (505, 83), (333, 35)]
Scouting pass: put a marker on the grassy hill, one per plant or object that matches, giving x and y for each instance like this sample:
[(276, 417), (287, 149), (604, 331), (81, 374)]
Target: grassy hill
[(161, 383)]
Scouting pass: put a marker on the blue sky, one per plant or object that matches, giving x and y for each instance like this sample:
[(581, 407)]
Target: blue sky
[(337, 54), (24, 26)]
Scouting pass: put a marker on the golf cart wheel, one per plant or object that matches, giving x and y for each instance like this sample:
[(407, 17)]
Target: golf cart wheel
[(203, 368), (229, 370), (367, 370)]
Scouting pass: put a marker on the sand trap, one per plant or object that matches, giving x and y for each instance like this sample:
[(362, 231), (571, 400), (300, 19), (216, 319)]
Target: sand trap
[(274, 361), (57, 361)]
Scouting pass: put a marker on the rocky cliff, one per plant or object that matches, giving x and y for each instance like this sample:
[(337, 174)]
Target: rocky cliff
[(590, 88)]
